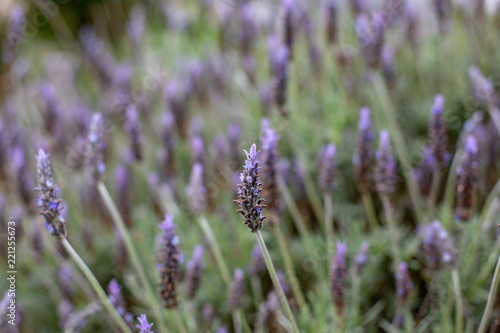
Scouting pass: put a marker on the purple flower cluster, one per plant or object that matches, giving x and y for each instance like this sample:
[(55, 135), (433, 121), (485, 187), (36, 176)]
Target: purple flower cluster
[(194, 272), (438, 246), (269, 171), (327, 168), (337, 278), (385, 172), (467, 180), (144, 326), (363, 157)]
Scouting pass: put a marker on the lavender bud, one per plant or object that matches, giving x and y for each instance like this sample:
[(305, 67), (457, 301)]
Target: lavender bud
[(403, 284), (337, 278), (194, 271), (123, 194), (437, 246), (169, 143), (51, 110), (269, 160), (249, 192), (363, 157), (424, 172), (169, 262), (49, 200), (371, 37), (361, 257), (24, 181), (287, 25), (222, 329), (386, 177), (438, 140), (95, 51), (14, 34), (115, 297), (196, 190), (96, 142), (134, 131), (331, 21), (237, 292), (144, 326), (482, 88), (443, 12), (327, 168), (279, 69), (467, 180)]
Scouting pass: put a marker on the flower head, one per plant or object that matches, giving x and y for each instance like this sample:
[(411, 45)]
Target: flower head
[(134, 131), (403, 284), (194, 271), (362, 257), (237, 292), (438, 140), (363, 157), (437, 246), (196, 190), (327, 168), (269, 160), (96, 141), (337, 278), (385, 168), (144, 326), (482, 88), (370, 33), (467, 180), (249, 192)]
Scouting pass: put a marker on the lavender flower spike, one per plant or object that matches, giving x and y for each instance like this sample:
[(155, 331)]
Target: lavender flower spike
[(249, 198), (371, 37), (194, 271), (403, 284), (144, 326), (327, 169), (169, 262), (196, 190), (331, 21), (280, 56), (49, 201), (96, 140), (134, 131), (467, 180), (482, 88), (337, 278), (438, 247), (385, 169), (269, 159), (438, 140), (237, 293), (361, 257), (363, 157)]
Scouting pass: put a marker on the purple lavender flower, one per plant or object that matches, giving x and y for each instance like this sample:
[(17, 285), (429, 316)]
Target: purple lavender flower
[(95, 51), (66, 281), (482, 88), (233, 133), (424, 172), (438, 140), (388, 68), (96, 141), (410, 18), (357, 6), (287, 25), (385, 173), (443, 12), (269, 160), (257, 264), (371, 37), (51, 110), (403, 284), (49, 200), (237, 293), (134, 131), (331, 21), (144, 326), (135, 27), (361, 257), (279, 55), (327, 168), (169, 262), (467, 180), (248, 28), (337, 278), (363, 157), (24, 181), (198, 148), (169, 144), (196, 190), (115, 297), (249, 192), (176, 96), (123, 191), (14, 34), (437, 246), (194, 272)]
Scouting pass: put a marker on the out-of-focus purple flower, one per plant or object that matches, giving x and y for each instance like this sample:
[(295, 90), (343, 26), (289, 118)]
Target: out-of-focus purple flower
[(385, 173), (123, 191), (96, 140), (438, 140), (481, 87), (438, 246), (371, 37), (257, 264), (14, 34), (237, 293), (363, 156), (337, 278), (269, 170), (96, 53), (327, 168), (222, 329), (208, 312), (248, 27), (115, 297), (51, 110), (424, 172), (134, 131), (249, 192), (24, 181), (443, 12), (49, 197), (287, 25), (194, 272), (196, 190), (135, 27), (198, 150), (37, 243), (169, 262), (411, 20), (176, 97), (404, 284), (357, 6), (331, 21), (467, 180), (388, 67), (279, 55), (361, 257), (234, 133), (144, 326), (66, 281)]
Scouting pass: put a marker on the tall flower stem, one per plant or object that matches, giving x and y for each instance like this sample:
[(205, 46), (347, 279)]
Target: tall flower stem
[(389, 215), (219, 259), (132, 252), (294, 282), (371, 215), (178, 320), (329, 221), (458, 301), (491, 299), (276, 283), (401, 150), (96, 286)]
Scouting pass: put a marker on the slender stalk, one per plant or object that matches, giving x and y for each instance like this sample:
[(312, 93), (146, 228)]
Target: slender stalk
[(356, 286), (214, 246), (96, 286), (329, 221), (190, 308), (237, 322), (371, 216), (491, 299), (294, 282), (392, 229), (458, 301), (180, 324), (401, 150), (132, 252), (276, 283), (256, 290)]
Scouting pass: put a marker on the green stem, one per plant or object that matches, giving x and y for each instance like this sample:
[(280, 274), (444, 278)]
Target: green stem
[(371, 216), (399, 142), (294, 282), (132, 252), (491, 299), (276, 283), (392, 229), (96, 286), (237, 322), (214, 246), (180, 324), (329, 221), (458, 301)]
